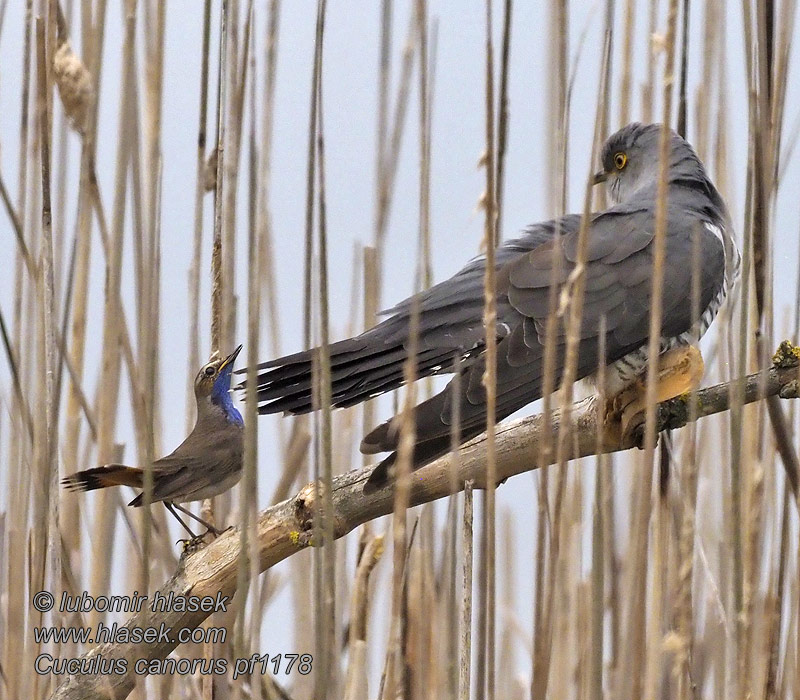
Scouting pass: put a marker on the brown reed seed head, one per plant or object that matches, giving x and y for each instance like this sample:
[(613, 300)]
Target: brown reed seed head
[(74, 85)]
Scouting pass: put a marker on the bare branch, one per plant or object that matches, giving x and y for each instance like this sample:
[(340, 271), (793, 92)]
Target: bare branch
[(286, 528)]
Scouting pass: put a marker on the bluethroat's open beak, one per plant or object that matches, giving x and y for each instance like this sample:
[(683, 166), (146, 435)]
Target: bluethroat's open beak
[(230, 359)]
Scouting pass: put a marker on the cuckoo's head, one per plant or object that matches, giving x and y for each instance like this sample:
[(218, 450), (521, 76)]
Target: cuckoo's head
[(630, 160), (213, 385)]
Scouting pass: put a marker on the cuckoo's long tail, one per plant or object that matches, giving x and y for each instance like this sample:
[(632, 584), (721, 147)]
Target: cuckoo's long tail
[(361, 368)]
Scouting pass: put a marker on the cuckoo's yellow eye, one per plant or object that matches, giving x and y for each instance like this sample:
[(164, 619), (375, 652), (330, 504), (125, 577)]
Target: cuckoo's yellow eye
[(620, 160)]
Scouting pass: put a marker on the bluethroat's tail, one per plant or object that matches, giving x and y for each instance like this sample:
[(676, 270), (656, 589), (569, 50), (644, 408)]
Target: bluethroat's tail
[(103, 477)]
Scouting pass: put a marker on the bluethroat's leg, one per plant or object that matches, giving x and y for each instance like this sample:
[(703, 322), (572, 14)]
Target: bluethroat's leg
[(209, 527), (170, 507)]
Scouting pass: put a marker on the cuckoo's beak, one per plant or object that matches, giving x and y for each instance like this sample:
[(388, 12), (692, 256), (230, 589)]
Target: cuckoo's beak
[(599, 177), (230, 359)]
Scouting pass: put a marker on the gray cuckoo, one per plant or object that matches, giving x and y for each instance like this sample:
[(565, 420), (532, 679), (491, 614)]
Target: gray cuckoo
[(617, 303)]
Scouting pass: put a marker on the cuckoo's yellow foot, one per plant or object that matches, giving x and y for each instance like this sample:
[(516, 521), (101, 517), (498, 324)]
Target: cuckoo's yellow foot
[(680, 370)]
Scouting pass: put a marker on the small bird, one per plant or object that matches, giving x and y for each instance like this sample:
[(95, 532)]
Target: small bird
[(207, 463), (617, 304)]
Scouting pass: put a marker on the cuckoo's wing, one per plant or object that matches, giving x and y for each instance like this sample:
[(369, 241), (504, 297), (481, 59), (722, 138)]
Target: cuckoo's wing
[(450, 325), (618, 289)]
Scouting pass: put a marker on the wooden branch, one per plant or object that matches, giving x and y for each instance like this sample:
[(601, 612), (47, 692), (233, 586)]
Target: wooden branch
[(286, 528)]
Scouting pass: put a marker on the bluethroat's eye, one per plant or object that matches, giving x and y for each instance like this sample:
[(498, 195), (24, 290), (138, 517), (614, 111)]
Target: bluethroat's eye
[(209, 371), (620, 160)]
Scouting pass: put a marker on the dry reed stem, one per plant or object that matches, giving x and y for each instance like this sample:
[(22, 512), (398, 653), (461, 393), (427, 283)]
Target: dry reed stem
[(217, 311), (738, 444), (506, 658), (396, 679), (654, 646), (303, 598), (193, 358), (558, 123), (633, 662), (560, 128), (308, 244), (503, 116), (371, 294), (465, 623), (401, 503), (146, 208), (265, 167), (218, 282), (776, 621), (327, 680), (447, 624), (680, 122), (382, 192), (45, 530), (613, 566), (247, 573), (768, 107), (294, 450), (19, 394), (425, 96), (606, 76), (648, 89), (683, 608), (489, 379), (92, 47), (19, 450), (371, 264), (429, 609), (238, 67), (22, 453), (16, 224), (237, 72), (62, 160), (597, 588), (324, 583), (356, 684), (103, 525), (558, 16), (419, 616), (570, 304), (386, 177), (627, 60)]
